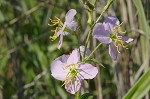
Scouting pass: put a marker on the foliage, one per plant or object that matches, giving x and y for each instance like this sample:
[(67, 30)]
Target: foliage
[(140, 89)]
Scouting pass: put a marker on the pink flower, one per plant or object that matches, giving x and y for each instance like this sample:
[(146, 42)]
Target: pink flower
[(69, 23), (109, 32), (71, 71)]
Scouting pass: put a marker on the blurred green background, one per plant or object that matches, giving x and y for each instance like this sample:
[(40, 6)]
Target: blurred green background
[(26, 51)]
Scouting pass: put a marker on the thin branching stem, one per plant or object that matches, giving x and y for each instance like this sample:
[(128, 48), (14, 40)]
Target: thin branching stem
[(94, 51), (90, 32)]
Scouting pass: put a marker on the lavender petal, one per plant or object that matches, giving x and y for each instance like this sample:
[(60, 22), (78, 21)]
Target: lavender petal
[(70, 15), (71, 25), (82, 48), (57, 70), (60, 41), (113, 51), (74, 87), (112, 20), (125, 38), (74, 57), (87, 71), (100, 33)]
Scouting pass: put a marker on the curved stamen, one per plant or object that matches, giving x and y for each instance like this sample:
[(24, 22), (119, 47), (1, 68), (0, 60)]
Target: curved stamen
[(118, 39), (72, 74), (120, 42), (71, 65), (117, 29), (55, 34), (54, 22)]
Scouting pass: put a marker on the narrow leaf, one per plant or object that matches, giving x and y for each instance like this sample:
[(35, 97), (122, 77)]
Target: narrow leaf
[(141, 87)]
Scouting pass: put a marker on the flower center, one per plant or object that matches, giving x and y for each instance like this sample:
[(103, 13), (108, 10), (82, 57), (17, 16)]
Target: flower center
[(118, 39), (55, 22), (72, 74)]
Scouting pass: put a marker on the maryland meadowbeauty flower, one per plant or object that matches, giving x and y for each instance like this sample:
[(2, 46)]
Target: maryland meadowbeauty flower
[(69, 23), (109, 32), (71, 71)]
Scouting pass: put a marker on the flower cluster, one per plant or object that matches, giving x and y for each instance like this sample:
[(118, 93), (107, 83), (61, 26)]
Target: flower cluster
[(72, 69)]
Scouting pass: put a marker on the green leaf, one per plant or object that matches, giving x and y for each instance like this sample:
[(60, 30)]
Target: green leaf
[(141, 87), (61, 92), (140, 10), (95, 61), (87, 96)]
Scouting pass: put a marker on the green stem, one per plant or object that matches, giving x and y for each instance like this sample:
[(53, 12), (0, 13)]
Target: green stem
[(105, 8), (90, 21), (77, 96), (94, 51), (95, 1), (90, 32), (78, 40), (87, 41)]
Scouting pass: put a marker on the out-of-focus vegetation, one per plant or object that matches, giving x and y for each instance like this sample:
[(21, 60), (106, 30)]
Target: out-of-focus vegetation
[(26, 51)]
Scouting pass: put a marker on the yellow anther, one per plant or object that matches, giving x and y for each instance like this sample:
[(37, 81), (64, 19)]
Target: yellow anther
[(117, 29), (122, 32), (118, 39), (54, 22), (117, 46), (55, 34), (66, 79), (119, 42)]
